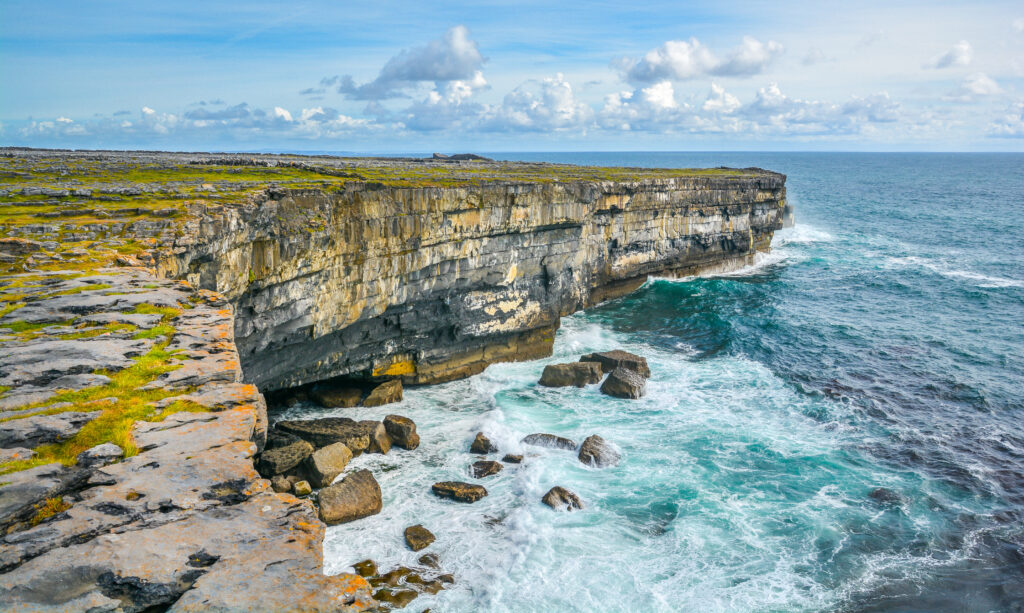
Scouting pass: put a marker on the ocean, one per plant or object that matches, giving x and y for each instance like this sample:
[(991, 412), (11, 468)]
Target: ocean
[(836, 428)]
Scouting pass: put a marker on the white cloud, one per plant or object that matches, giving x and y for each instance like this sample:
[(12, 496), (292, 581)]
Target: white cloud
[(282, 113), (651, 108), (1011, 124), (720, 101), (453, 57), (547, 105), (63, 120), (1018, 26), (960, 55), (814, 56), (661, 96), (977, 85), (680, 60)]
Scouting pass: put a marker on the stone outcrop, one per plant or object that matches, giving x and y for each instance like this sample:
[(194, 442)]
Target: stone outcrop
[(624, 383), (578, 374), (431, 284), (595, 451), (610, 360)]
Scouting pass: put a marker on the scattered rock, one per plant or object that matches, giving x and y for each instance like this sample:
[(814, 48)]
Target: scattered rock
[(280, 484), (610, 360), (623, 383), (40, 429), (366, 568), (282, 459), (430, 560), (402, 431), (418, 537), (886, 496), (380, 442), (458, 490), (578, 374), (482, 445), (354, 497), (595, 451), (550, 440), (512, 459), (302, 489), (326, 463), (100, 455), (560, 498), (385, 393), (485, 468), (328, 430), (399, 599), (337, 397)]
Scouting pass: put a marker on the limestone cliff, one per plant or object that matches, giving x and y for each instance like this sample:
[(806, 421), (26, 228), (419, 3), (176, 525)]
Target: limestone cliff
[(435, 283)]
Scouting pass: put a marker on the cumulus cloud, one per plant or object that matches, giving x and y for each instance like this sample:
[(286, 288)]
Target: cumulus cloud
[(1011, 124), (653, 108), (814, 56), (549, 104), (975, 86), (453, 57), (445, 107), (1018, 26), (720, 101), (681, 60), (773, 111), (960, 55)]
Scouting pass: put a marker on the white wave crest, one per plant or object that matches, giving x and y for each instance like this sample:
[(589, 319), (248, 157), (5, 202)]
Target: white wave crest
[(943, 269)]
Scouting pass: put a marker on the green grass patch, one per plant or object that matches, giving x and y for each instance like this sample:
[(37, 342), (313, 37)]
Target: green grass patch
[(49, 508)]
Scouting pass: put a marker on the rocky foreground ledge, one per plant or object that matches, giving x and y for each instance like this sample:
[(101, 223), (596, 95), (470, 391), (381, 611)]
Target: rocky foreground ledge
[(128, 419)]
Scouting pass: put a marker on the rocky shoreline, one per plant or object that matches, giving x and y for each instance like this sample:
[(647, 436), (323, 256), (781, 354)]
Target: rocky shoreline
[(136, 468)]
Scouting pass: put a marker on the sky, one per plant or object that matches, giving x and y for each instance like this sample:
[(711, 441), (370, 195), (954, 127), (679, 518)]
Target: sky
[(524, 75)]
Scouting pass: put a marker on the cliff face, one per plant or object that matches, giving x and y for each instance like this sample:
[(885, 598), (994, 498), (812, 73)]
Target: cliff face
[(435, 283)]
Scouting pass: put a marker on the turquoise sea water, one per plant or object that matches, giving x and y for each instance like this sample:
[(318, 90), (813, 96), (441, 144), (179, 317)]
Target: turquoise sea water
[(879, 345)]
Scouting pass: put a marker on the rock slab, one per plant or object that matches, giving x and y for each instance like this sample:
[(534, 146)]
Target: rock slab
[(560, 498), (610, 360), (578, 374), (354, 497), (541, 439), (418, 537), (458, 490), (624, 383), (402, 431)]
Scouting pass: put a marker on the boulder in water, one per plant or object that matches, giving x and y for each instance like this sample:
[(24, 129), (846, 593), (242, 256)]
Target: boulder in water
[(610, 360), (326, 463), (282, 459), (512, 459), (541, 439), (402, 431), (385, 393), (624, 383), (354, 497), (485, 468), (578, 374), (328, 430), (418, 537), (560, 498), (482, 445), (380, 442), (458, 490), (595, 451)]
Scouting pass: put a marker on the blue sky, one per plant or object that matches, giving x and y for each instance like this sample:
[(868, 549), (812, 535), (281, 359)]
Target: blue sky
[(513, 76)]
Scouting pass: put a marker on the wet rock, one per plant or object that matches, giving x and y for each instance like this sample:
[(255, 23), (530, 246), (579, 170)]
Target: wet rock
[(418, 537), (380, 442), (402, 431), (366, 568), (394, 577), (595, 451), (40, 429), (326, 463), (512, 459), (282, 459), (610, 360), (577, 374), (482, 445), (430, 560), (560, 498), (328, 430), (385, 393), (302, 489), (886, 496), (541, 439), (458, 490), (280, 484), (354, 497), (337, 397), (100, 455), (623, 383), (397, 598), (485, 468)]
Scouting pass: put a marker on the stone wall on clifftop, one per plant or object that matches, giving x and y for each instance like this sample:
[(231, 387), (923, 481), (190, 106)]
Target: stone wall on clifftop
[(435, 283)]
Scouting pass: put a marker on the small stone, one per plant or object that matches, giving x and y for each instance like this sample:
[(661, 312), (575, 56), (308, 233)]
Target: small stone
[(610, 360), (512, 459), (326, 463), (280, 484), (302, 489), (595, 451), (385, 393), (482, 445), (541, 439), (578, 374), (337, 397), (558, 498), (282, 459), (418, 537), (402, 431), (458, 490), (430, 560), (354, 497), (623, 383), (100, 455), (485, 468), (366, 568)]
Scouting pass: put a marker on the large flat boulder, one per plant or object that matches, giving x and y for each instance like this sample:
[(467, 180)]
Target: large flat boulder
[(354, 497), (39, 429), (577, 374), (610, 360), (541, 439), (282, 459), (329, 430), (458, 490), (624, 383)]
